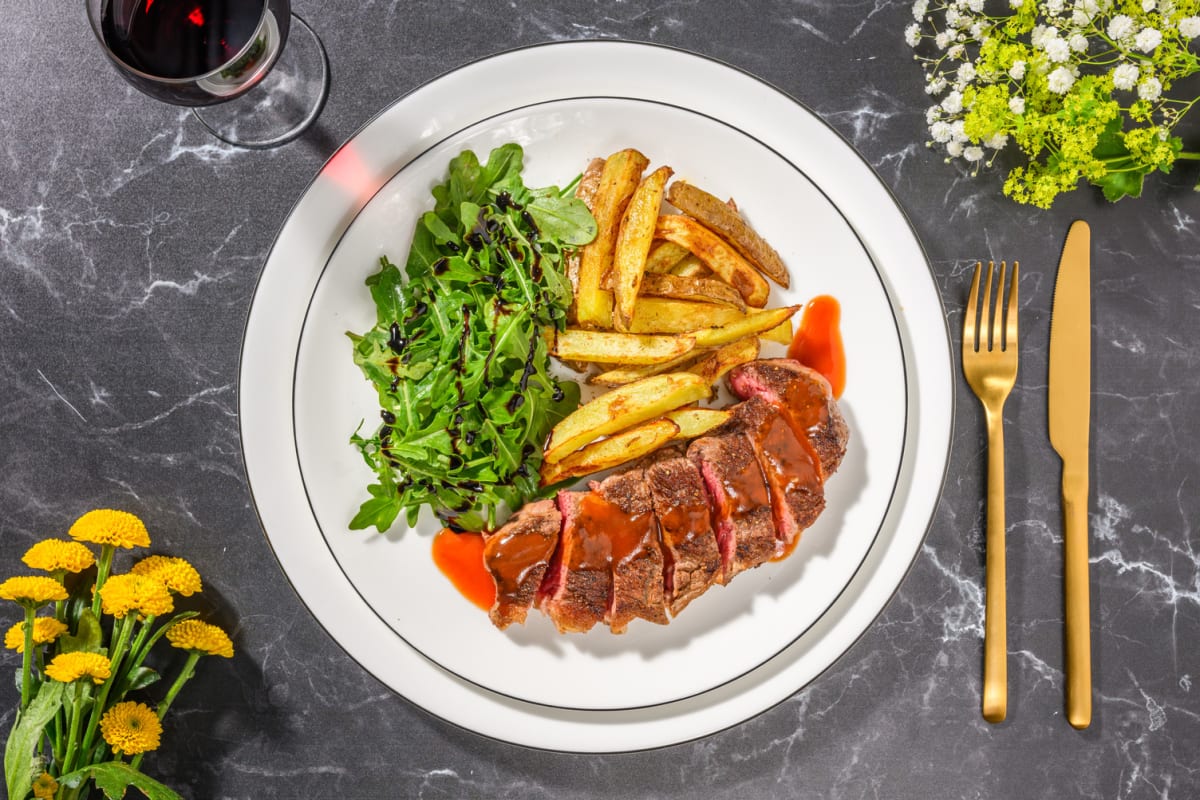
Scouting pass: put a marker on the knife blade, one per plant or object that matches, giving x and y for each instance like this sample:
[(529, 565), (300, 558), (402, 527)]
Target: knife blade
[(1070, 421)]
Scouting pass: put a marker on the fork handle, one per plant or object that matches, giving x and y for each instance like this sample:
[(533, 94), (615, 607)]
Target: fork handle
[(995, 635)]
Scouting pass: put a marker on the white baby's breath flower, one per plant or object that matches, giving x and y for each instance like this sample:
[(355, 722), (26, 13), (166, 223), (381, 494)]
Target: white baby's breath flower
[(936, 86), (919, 8), (956, 51), (1054, 7), (1057, 50), (1189, 27), (1149, 5), (953, 103), (1042, 34), (932, 115), (976, 31), (1080, 18), (958, 131), (1125, 76), (1017, 70), (940, 131), (912, 35), (1150, 89), (1121, 26), (1060, 80), (952, 17), (955, 149), (1016, 105), (1078, 42), (996, 141), (966, 73), (973, 153), (1016, 3), (942, 40), (975, 5), (1148, 39)]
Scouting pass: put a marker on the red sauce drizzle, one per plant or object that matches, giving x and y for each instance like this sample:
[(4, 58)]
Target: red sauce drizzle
[(818, 341), (460, 558)]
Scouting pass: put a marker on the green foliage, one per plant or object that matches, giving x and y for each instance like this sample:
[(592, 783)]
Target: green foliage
[(19, 752), (458, 355), (114, 777)]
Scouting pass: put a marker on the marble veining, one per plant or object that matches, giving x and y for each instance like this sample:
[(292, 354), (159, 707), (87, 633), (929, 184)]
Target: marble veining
[(130, 243)]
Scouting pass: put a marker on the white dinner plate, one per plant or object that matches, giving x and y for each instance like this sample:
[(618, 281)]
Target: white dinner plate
[(737, 649)]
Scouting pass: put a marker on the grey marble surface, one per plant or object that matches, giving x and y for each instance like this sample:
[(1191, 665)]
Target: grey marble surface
[(130, 243)]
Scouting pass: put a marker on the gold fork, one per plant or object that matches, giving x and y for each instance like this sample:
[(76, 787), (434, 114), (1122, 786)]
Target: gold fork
[(990, 364)]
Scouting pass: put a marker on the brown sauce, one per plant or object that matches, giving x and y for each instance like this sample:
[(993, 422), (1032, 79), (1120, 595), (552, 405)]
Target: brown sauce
[(607, 536), (512, 556)]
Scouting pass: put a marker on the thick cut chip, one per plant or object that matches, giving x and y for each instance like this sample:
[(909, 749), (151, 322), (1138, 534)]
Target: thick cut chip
[(728, 223), (688, 288), (749, 325), (695, 421), (620, 176), (667, 315), (623, 408), (621, 375), (606, 347), (618, 449), (664, 256), (633, 244), (717, 254), (714, 366)]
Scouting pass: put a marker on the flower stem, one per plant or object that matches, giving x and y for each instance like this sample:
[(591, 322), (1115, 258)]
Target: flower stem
[(185, 674), (117, 654), (1189, 156), (27, 659), (68, 764), (102, 569)]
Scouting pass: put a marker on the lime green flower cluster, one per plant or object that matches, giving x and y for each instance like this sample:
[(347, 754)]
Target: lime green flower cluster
[(1082, 89), (74, 727)]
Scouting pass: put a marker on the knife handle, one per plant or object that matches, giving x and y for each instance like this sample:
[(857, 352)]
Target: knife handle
[(995, 631), (1075, 585)]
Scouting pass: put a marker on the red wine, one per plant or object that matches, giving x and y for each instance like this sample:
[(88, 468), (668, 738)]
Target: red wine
[(176, 39)]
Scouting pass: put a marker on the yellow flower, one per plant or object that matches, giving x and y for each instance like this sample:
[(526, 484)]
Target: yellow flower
[(200, 637), (122, 594), (179, 576), (69, 667), (45, 630), (56, 555), (131, 728), (32, 590), (44, 786), (106, 526)]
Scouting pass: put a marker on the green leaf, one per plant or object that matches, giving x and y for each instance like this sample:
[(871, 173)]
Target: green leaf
[(564, 218), (114, 777), (380, 511), (140, 678), (1122, 184), (386, 290), (87, 638), (19, 751)]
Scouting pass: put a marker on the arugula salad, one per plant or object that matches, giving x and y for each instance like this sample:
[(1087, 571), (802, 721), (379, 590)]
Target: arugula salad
[(458, 354)]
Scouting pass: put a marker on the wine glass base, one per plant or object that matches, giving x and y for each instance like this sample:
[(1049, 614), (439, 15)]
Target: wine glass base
[(283, 104)]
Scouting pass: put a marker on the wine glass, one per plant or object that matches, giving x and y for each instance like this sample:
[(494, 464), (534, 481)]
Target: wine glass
[(210, 54)]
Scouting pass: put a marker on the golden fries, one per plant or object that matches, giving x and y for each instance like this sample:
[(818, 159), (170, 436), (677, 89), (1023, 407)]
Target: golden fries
[(621, 375), (664, 256), (695, 421), (725, 221), (718, 256), (750, 325), (691, 267), (633, 244), (606, 347), (714, 366), (612, 452), (623, 408), (685, 288), (667, 315), (618, 180)]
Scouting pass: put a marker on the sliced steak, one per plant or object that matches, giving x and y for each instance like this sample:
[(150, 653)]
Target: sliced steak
[(517, 557), (741, 503), (576, 591), (807, 400), (636, 556), (691, 559), (790, 467)]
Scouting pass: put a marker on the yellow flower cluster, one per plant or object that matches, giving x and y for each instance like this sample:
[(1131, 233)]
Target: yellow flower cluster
[(44, 786), (131, 728), (107, 526), (200, 637), (69, 667), (124, 594), (32, 590), (56, 555), (177, 574), (45, 630)]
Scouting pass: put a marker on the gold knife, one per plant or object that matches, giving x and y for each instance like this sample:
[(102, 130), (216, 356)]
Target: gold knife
[(1070, 408)]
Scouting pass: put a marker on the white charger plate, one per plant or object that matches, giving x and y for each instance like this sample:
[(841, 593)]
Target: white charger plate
[(381, 598)]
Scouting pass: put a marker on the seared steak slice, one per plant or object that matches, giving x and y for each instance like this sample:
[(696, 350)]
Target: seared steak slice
[(636, 557), (805, 397), (741, 504), (790, 466), (517, 556), (691, 560), (577, 588)]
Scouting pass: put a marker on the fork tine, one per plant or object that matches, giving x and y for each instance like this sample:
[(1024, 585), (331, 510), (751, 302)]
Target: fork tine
[(989, 324), (998, 316), (970, 328), (1010, 320)]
